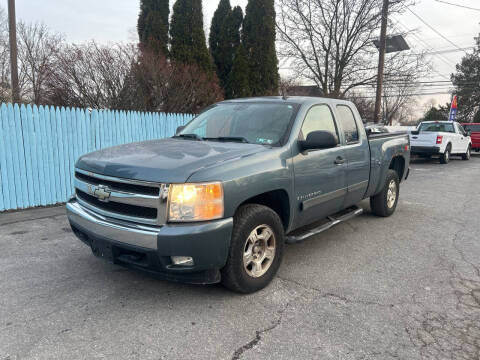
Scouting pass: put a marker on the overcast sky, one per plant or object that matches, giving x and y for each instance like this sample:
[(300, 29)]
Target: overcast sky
[(115, 20)]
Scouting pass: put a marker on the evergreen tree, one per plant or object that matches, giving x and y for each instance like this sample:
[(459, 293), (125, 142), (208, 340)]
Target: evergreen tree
[(238, 82), (153, 24), (225, 38), (467, 83), (188, 43), (259, 43), (437, 114)]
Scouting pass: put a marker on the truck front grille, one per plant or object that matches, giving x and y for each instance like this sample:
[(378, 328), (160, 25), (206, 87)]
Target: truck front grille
[(118, 208), (127, 187), (123, 199)]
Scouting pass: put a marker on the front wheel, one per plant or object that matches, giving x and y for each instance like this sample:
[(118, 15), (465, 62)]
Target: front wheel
[(385, 202), (467, 155), (256, 249)]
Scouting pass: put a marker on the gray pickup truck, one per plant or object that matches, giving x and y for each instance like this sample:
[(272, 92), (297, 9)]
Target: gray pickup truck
[(218, 201)]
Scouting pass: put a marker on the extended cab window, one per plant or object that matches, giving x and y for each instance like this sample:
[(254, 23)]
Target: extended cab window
[(349, 125), (319, 118)]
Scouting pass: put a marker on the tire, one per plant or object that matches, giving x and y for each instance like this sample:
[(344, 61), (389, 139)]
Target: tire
[(382, 204), (467, 155), (445, 157), (253, 273)]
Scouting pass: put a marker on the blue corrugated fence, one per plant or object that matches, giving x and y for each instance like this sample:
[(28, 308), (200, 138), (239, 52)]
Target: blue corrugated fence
[(39, 146)]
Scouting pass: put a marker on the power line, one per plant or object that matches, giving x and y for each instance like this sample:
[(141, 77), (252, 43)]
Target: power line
[(428, 48), (407, 95), (458, 5), (433, 29), (449, 50)]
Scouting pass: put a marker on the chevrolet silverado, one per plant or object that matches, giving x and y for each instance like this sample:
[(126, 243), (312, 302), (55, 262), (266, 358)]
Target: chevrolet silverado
[(218, 201)]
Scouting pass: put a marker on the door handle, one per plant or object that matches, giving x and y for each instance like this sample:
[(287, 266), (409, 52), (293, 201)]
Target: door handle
[(339, 160)]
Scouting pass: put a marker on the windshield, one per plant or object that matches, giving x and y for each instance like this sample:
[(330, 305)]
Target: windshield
[(256, 123), (436, 127)]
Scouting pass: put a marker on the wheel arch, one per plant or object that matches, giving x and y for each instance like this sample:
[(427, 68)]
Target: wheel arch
[(277, 200), (398, 164)]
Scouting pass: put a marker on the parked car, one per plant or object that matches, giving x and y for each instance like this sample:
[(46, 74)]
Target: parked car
[(474, 129), (442, 139), (218, 201)]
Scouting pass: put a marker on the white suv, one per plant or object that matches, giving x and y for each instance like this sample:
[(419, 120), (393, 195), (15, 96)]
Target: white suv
[(442, 138)]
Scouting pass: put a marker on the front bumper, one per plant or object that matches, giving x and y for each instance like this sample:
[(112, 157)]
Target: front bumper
[(150, 248), (425, 150)]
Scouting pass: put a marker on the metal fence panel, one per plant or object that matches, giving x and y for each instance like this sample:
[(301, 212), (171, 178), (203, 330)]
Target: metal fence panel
[(39, 146)]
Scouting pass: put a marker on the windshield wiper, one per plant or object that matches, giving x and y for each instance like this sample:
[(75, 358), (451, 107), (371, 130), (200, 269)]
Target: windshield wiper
[(228, 138), (189, 136)]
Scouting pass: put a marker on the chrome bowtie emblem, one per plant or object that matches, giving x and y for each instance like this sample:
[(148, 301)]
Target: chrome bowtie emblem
[(101, 192)]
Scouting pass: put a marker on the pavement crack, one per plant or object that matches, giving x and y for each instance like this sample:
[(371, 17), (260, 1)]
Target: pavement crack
[(259, 333), (343, 298)]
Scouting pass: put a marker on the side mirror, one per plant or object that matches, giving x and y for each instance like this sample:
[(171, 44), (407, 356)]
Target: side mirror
[(414, 132), (319, 140), (468, 132), (179, 129)]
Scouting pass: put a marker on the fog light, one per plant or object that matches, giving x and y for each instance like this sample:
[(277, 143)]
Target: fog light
[(182, 260)]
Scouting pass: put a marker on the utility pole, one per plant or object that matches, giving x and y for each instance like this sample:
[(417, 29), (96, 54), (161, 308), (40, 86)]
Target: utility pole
[(381, 60), (12, 25)]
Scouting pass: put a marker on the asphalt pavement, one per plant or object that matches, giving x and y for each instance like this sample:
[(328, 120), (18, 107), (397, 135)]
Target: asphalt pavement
[(404, 287)]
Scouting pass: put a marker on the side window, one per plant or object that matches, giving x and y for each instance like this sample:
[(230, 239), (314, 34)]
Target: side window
[(319, 118), (461, 130), (349, 125)]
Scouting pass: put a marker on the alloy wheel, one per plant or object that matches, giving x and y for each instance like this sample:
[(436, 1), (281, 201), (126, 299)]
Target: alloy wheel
[(259, 251), (391, 194)]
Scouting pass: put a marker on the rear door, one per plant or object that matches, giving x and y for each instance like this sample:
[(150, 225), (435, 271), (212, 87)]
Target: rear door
[(357, 152), (320, 175)]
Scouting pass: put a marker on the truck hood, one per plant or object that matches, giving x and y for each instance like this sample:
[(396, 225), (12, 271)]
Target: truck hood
[(164, 161)]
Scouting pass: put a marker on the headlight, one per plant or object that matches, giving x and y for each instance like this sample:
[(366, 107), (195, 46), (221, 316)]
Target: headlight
[(195, 202)]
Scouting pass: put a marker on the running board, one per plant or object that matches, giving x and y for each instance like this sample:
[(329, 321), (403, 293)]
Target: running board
[(332, 221)]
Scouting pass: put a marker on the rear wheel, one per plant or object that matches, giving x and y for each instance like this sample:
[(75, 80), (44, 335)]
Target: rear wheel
[(256, 249), (385, 202), (445, 157), (467, 155)]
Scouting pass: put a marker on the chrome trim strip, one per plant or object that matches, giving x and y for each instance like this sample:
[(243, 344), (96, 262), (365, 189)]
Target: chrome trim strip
[(307, 204), (120, 180), (140, 236), (115, 215), (123, 197), (358, 186)]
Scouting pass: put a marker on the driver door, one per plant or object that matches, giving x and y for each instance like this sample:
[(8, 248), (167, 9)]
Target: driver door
[(320, 175)]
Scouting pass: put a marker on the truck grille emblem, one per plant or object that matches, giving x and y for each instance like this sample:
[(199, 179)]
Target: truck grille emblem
[(101, 192)]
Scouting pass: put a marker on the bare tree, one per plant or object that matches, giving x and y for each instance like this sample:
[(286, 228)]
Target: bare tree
[(120, 77), (286, 85), (90, 75), (157, 84), (5, 89), (330, 42), (37, 50)]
